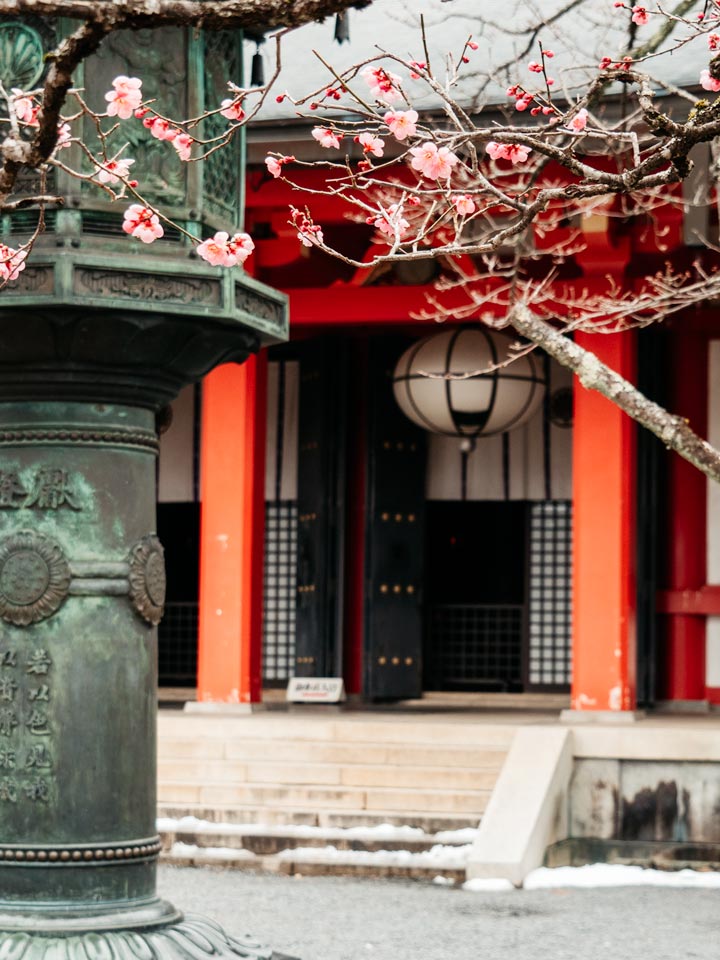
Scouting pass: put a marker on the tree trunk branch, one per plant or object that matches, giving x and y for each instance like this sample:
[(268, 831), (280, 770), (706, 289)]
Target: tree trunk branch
[(227, 14), (675, 432)]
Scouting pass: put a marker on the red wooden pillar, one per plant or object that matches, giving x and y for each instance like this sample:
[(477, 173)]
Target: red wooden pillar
[(604, 588), (232, 528), (687, 519)]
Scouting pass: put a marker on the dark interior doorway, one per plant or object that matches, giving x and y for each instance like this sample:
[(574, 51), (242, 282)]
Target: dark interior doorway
[(475, 595), (179, 532)]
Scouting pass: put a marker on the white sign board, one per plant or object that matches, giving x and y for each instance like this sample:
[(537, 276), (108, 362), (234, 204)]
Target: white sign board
[(315, 690)]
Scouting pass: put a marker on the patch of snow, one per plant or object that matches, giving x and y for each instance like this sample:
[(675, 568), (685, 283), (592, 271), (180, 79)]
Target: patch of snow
[(465, 835), (439, 856), (617, 875), (380, 831), (488, 885), (190, 850), (441, 881)]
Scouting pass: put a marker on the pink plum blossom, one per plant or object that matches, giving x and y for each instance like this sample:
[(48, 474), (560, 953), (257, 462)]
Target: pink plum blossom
[(275, 164), (142, 223), (327, 138), (241, 246), (232, 109), (465, 205), (402, 123), (391, 222), (115, 170), (64, 136), (383, 84), (25, 108), (514, 152), (11, 262), (308, 233), (160, 128), (640, 15), (709, 83), (225, 251), (433, 163), (183, 144), (579, 121), (371, 144), (125, 98)]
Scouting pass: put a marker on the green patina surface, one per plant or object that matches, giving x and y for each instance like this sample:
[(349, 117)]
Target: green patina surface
[(96, 336)]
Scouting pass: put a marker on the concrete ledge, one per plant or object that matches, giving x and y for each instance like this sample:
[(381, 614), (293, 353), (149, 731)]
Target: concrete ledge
[(222, 709), (528, 809), (667, 742), (601, 716)]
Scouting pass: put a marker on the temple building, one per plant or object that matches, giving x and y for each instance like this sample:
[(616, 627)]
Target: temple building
[(331, 536)]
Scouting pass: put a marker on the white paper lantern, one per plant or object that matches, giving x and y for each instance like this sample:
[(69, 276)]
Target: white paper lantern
[(484, 404)]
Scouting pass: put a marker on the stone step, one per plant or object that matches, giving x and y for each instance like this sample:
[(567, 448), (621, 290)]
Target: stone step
[(304, 797), (301, 751), (242, 814), (395, 729), (357, 774), (316, 862), (266, 840)]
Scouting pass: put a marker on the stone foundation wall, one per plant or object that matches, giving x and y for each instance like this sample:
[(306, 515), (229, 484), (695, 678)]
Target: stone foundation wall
[(629, 800)]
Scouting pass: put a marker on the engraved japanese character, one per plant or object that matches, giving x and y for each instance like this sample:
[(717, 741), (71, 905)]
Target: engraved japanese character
[(8, 659), (37, 789), (8, 721), (39, 662), (11, 490), (39, 693), (51, 490), (37, 723), (8, 688), (8, 790), (37, 757), (7, 759)]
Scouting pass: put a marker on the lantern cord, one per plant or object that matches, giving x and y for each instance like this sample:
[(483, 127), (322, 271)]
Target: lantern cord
[(506, 465), (467, 446)]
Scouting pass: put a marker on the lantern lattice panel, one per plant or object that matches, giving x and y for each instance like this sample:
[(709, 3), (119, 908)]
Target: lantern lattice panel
[(222, 169), (281, 523), (475, 646), (550, 600)]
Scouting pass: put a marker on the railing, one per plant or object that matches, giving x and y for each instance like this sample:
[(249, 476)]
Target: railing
[(475, 645), (177, 645)]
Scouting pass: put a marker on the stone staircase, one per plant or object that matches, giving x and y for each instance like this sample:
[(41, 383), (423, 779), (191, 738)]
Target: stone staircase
[(354, 794)]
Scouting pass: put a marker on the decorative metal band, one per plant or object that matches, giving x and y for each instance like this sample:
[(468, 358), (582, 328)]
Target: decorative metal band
[(147, 579), (36, 578), (77, 855), (125, 438)]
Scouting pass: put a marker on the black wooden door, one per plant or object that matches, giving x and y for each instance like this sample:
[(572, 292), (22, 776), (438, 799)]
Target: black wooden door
[(395, 502), (651, 491), (321, 507)]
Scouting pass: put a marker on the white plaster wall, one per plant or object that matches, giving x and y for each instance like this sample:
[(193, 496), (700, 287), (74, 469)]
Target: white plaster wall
[(712, 662), (289, 466), (175, 473), (485, 464)]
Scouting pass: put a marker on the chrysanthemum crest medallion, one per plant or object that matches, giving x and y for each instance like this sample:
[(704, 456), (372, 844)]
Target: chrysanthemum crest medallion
[(34, 578), (147, 579)]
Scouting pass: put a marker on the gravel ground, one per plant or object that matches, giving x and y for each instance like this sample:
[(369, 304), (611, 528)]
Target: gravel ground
[(332, 918)]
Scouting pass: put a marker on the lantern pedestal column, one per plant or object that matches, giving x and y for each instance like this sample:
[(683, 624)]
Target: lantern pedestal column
[(82, 588)]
